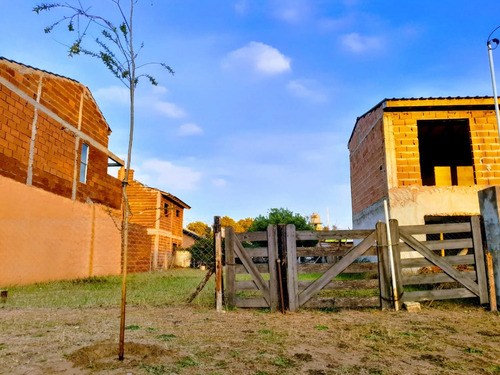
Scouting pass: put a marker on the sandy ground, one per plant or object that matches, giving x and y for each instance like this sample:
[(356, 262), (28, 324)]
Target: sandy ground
[(190, 340)]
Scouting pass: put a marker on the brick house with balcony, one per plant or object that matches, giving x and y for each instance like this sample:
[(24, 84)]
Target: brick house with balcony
[(56, 197), (428, 157), (162, 214)]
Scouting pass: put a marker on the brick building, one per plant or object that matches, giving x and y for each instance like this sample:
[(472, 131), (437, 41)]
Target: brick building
[(53, 135), (57, 200), (428, 157), (162, 214)]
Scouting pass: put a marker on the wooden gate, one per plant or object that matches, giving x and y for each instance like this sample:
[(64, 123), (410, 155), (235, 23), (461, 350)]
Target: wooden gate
[(259, 285), (252, 272), (449, 266), (453, 266)]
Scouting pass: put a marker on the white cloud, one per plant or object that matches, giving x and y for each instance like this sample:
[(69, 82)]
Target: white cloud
[(167, 176), (169, 109), (358, 44), (219, 182), (300, 89), (260, 58), (190, 129), (113, 94)]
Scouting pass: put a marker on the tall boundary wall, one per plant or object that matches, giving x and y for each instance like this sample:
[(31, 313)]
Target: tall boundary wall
[(46, 237)]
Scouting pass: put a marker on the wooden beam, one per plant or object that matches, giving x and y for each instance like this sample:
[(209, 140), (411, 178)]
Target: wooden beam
[(291, 268), (479, 259)]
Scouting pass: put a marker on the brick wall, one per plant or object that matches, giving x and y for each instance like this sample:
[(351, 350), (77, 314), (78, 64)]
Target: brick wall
[(47, 237), (58, 110), (139, 249), (367, 161), (483, 136)]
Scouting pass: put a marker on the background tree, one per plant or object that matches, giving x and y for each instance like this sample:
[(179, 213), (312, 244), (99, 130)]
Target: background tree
[(280, 216), (116, 49), (200, 228), (245, 224)]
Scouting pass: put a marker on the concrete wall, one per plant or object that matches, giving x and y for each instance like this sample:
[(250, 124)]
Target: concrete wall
[(368, 218), (46, 237), (410, 205)]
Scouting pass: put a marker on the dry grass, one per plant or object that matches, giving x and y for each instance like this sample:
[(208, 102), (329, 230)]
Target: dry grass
[(172, 338)]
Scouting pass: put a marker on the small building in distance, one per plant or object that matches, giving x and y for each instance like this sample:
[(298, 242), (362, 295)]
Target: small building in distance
[(428, 157), (162, 214)]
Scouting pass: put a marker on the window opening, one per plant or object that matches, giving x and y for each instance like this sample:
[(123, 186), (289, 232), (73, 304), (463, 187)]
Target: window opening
[(445, 152), (178, 213), (165, 207), (84, 160)]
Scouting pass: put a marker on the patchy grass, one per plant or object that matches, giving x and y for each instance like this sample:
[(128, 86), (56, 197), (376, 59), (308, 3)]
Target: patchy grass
[(166, 336), (171, 287)]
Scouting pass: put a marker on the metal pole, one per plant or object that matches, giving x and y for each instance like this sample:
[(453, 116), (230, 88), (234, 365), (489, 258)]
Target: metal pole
[(391, 257), (493, 84)]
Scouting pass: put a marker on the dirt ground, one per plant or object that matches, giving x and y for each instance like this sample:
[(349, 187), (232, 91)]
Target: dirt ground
[(191, 340)]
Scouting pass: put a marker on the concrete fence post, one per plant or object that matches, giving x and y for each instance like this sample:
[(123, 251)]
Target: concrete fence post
[(489, 205)]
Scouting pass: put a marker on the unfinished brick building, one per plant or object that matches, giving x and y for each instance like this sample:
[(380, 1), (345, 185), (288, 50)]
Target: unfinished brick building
[(54, 149), (162, 214), (428, 157), (53, 135)]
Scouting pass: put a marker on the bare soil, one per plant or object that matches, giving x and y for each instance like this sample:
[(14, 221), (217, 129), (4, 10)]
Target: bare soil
[(449, 339)]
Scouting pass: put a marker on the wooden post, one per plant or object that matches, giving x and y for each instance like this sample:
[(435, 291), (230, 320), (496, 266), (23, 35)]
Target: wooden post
[(291, 268), (272, 253), (491, 279), (218, 263), (384, 269), (479, 259), (394, 225), (230, 297)]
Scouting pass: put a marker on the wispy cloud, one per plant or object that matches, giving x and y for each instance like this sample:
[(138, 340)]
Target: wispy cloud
[(241, 7), (169, 109), (258, 57), (189, 129), (113, 94), (301, 89), (292, 11), (167, 176), (357, 43), (219, 182)]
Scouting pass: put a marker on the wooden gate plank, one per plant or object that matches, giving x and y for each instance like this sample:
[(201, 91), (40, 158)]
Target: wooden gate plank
[(272, 249), (292, 282), (252, 270), (438, 261), (230, 294), (384, 269), (337, 268), (479, 257)]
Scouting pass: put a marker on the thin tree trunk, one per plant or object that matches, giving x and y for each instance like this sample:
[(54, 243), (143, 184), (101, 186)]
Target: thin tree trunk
[(124, 191)]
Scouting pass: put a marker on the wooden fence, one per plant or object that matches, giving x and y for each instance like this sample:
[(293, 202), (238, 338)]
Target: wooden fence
[(354, 270)]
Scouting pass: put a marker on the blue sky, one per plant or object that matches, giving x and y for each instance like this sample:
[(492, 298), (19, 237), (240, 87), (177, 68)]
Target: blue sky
[(265, 93)]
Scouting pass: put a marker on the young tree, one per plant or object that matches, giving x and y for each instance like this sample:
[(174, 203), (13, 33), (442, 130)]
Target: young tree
[(116, 49)]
